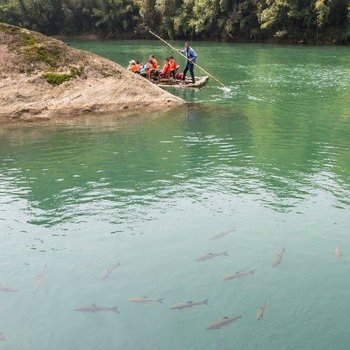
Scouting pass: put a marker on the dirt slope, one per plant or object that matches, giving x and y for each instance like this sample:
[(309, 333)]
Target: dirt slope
[(41, 77)]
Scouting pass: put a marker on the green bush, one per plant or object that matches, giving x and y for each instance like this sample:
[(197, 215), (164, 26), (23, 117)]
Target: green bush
[(59, 78)]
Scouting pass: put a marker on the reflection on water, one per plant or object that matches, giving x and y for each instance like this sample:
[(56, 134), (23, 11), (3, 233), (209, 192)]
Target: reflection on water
[(100, 212), (183, 154)]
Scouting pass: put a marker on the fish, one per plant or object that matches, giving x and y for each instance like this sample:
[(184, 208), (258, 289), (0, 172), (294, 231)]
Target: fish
[(7, 289), (224, 322), (93, 308), (189, 304), (278, 258), (211, 256), (222, 234), (109, 271), (238, 275), (338, 252), (260, 312), (40, 278), (2, 337), (145, 300)]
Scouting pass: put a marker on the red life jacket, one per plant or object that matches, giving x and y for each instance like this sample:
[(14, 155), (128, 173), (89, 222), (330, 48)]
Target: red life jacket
[(166, 69), (173, 65)]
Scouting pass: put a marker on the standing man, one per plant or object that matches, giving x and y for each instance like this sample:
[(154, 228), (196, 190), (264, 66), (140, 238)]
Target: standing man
[(191, 56)]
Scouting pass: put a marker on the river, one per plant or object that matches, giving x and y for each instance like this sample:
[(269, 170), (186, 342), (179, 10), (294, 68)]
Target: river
[(101, 209)]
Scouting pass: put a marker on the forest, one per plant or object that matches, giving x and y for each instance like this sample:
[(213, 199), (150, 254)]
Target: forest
[(295, 21)]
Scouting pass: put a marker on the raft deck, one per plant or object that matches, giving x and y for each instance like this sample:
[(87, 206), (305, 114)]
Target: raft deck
[(176, 83)]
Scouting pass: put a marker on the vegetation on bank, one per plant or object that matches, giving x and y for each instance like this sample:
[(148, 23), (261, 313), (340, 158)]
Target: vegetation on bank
[(31, 49), (31, 61), (314, 21), (59, 78), (36, 53)]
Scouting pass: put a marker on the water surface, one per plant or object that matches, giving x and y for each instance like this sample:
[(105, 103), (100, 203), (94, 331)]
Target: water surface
[(269, 158)]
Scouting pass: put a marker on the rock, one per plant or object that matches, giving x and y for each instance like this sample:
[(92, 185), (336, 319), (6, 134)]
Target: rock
[(42, 77)]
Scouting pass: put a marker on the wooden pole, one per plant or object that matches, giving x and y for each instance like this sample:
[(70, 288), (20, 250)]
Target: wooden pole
[(180, 53)]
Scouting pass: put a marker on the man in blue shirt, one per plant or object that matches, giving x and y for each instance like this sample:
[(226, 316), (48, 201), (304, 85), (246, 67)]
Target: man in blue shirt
[(191, 56)]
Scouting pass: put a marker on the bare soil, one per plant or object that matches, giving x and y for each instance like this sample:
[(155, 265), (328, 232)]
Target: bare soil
[(93, 84)]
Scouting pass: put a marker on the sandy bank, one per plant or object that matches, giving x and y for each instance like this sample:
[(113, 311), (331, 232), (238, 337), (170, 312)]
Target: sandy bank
[(41, 77)]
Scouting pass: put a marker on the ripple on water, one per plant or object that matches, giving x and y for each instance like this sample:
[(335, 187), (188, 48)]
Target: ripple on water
[(150, 192)]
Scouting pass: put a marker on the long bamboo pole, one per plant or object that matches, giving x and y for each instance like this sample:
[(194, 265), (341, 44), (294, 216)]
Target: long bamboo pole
[(180, 53)]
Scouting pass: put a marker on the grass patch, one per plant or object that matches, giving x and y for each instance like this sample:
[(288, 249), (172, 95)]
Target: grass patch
[(37, 53), (59, 78), (8, 28), (25, 39), (77, 71), (33, 48)]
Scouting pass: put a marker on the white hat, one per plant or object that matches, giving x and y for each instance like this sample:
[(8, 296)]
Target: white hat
[(132, 62)]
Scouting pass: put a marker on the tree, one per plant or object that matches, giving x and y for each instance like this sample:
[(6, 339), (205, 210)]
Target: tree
[(115, 17), (316, 20)]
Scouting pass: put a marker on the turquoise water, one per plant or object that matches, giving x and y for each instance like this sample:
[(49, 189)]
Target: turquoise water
[(269, 158)]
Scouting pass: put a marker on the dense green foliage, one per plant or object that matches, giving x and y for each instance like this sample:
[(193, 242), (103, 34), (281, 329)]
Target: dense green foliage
[(294, 20)]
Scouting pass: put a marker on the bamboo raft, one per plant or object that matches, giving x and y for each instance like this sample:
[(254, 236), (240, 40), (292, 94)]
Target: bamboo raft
[(187, 83)]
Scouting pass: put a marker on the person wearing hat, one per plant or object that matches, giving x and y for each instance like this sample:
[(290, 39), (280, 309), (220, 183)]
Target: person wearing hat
[(134, 66), (131, 64)]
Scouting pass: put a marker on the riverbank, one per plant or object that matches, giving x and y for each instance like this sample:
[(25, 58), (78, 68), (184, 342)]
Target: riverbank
[(239, 40), (42, 77)]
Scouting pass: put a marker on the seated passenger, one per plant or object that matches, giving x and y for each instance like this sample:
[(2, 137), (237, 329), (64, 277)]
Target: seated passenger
[(131, 64), (134, 66), (148, 69), (138, 67), (156, 71), (143, 70), (173, 66), (166, 69), (154, 61)]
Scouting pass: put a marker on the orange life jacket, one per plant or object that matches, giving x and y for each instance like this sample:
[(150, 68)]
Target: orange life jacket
[(166, 69), (173, 65), (150, 67), (135, 68), (155, 63)]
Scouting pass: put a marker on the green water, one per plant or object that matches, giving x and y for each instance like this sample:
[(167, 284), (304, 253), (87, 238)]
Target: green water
[(269, 158)]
